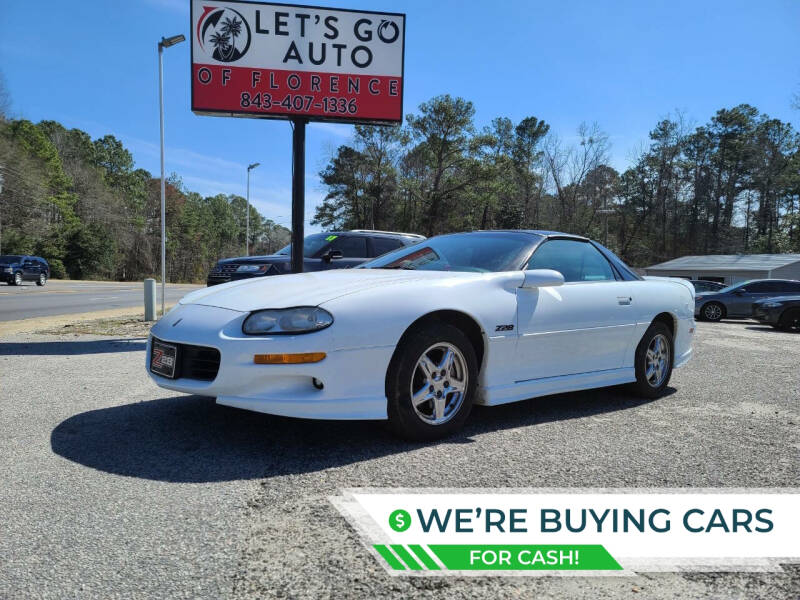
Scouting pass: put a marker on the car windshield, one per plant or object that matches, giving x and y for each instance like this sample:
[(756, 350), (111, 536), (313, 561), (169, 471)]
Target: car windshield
[(9, 259), (730, 288), (312, 244), (479, 252)]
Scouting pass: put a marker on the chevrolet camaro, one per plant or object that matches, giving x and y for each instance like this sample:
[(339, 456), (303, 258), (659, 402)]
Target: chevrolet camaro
[(419, 335)]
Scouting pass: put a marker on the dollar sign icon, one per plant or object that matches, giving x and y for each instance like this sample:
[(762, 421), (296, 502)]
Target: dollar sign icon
[(400, 520)]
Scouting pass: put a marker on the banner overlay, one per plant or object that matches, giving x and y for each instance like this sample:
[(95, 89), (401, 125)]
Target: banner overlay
[(575, 531)]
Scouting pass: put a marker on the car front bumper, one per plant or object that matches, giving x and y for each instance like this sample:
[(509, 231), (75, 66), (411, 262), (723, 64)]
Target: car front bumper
[(353, 379), (765, 315), (217, 279)]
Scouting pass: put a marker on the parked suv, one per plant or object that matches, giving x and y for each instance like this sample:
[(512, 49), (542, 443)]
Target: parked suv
[(736, 301), (322, 251), (16, 268)]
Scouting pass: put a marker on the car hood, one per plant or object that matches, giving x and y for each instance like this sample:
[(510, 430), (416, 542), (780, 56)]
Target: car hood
[(268, 259), (707, 295), (305, 289), (794, 298)]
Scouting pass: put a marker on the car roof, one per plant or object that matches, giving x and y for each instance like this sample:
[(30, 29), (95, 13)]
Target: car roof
[(380, 233), (741, 283), (540, 232)]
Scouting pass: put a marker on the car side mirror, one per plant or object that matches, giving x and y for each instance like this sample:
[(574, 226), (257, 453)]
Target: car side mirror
[(739, 292), (537, 278), (332, 255)]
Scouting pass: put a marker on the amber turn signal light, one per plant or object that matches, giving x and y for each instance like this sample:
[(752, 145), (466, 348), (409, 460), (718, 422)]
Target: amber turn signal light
[(288, 359)]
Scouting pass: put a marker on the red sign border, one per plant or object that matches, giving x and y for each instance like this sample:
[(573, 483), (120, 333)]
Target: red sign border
[(287, 116)]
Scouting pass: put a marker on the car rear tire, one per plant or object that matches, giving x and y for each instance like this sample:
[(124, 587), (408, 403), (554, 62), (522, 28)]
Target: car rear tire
[(790, 320), (17, 279), (655, 356), (713, 311), (42, 280), (431, 382)]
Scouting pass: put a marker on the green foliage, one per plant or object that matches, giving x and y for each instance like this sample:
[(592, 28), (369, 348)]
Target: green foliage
[(731, 185), (83, 206)]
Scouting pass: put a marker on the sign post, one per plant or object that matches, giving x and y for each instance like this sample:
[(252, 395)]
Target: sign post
[(298, 63), (298, 191)]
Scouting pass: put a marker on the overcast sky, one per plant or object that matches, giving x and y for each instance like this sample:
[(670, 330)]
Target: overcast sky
[(92, 64)]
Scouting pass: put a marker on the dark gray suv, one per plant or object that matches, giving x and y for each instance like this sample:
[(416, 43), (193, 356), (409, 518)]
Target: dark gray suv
[(736, 301), (16, 268), (322, 251)]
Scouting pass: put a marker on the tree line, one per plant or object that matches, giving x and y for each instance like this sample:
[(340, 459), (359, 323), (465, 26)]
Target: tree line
[(83, 206), (728, 186)]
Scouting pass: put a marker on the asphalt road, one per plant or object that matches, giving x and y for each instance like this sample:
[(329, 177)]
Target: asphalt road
[(112, 487), (70, 297)]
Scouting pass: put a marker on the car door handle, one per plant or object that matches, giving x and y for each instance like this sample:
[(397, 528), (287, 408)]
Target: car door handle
[(624, 300)]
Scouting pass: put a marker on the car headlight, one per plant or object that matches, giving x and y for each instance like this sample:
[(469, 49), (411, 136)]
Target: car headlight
[(772, 304), (252, 268), (286, 321), (8, 270)]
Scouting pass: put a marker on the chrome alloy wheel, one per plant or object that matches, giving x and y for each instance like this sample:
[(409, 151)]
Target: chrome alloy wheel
[(438, 383), (657, 358), (712, 312)]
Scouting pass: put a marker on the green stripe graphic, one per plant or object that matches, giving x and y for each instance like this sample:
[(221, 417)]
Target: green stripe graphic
[(407, 558), (424, 556), (389, 557), (522, 557)]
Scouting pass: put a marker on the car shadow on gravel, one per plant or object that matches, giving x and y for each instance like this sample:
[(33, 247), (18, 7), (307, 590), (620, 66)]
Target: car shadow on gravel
[(768, 329), (72, 348), (190, 439)]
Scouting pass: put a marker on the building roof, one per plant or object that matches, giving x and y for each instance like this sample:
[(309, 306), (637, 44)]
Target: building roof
[(728, 262)]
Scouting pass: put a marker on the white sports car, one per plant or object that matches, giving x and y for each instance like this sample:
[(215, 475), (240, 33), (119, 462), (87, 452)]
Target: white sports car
[(421, 334)]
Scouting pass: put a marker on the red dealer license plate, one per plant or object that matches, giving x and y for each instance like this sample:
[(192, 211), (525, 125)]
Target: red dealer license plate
[(163, 359)]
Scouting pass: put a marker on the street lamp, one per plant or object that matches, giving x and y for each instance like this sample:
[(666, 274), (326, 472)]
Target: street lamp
[(164, 43), (247, 218)]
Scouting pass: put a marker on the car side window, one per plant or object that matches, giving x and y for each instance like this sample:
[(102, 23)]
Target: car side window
[(782, 287), (575, 260), (383, 245), (350, 246), (758, 287), (794, 287)]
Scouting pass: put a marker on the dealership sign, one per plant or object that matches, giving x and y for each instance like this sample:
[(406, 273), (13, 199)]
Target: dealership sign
[(264, 60)]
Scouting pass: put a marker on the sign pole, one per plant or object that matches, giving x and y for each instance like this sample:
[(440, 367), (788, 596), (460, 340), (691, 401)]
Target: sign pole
[(298, 191)]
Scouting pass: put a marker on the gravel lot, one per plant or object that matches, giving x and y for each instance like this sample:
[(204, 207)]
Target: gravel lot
[(112, 487)]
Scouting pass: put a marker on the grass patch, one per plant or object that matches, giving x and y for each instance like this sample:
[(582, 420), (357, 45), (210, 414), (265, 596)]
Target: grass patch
[(118, 327)]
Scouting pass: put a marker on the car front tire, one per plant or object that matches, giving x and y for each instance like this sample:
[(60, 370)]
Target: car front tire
[(17, 279), (789, 321), (655, 356), (42, 280), (713, 311), (431, 382)]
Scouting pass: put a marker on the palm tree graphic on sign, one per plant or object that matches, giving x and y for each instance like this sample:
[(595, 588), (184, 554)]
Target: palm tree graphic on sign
[(221, 43), (230, 27)]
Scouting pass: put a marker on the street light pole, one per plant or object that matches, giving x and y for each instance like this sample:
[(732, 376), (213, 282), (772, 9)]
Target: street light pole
[(247, 216), (164, 43)]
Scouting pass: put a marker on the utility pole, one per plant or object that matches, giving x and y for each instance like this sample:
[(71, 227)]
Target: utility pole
[(605, 211), (247, 212), (164, 43)]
